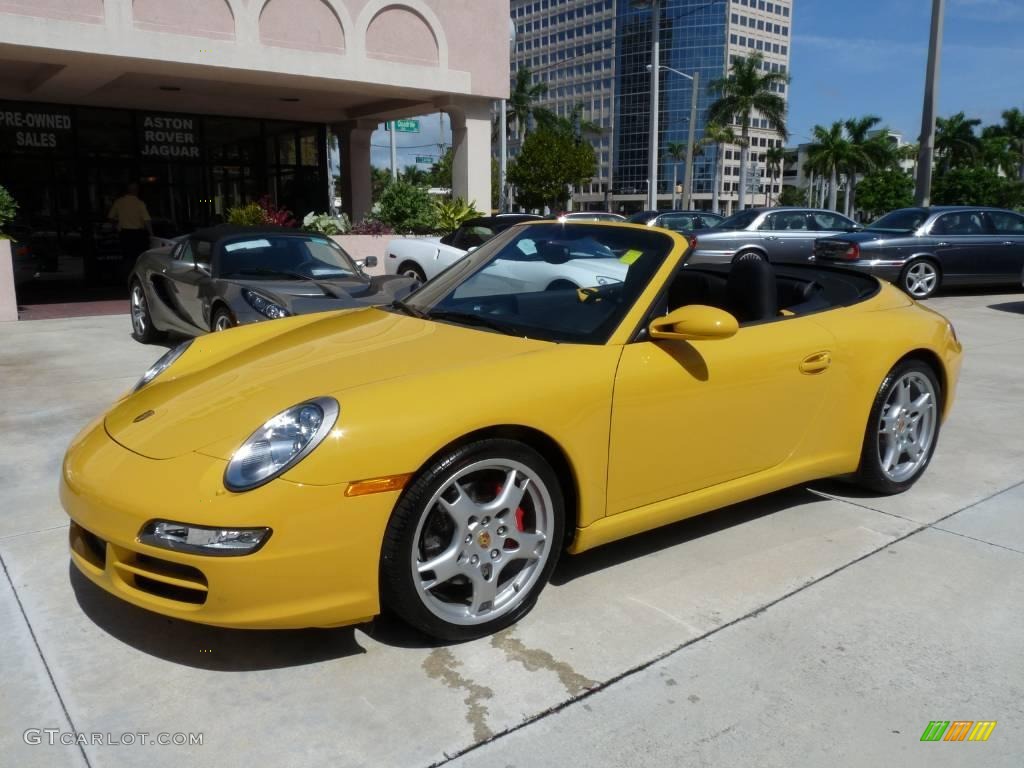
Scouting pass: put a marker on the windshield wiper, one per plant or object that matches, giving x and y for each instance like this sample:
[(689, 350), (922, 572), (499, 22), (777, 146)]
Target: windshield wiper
[(286, 273), (470, 319), (409, 310)]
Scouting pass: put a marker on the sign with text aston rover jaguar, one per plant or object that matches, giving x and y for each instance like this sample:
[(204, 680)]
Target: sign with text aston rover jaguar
[(168, 137)]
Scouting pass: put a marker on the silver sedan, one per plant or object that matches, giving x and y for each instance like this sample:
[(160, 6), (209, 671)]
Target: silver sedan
[(780, 235)]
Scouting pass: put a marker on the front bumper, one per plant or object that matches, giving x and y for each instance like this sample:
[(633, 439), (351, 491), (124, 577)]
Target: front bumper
[(318, 569)]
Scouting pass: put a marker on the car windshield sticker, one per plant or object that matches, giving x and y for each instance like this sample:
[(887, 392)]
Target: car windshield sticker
[(630, 256), (246, 245)]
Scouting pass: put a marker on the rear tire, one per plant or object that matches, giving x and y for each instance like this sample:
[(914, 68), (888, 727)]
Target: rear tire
[(902, 429), (413, 270), (749, 255), (142, 321), (491, 515), (921, 279)]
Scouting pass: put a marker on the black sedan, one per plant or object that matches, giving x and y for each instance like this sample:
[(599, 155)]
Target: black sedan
[(921, 249), (226, 276)]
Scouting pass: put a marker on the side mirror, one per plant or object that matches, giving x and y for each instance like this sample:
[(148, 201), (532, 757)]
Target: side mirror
[(369, 262), (695, 322), (201, 267), (472, 248)]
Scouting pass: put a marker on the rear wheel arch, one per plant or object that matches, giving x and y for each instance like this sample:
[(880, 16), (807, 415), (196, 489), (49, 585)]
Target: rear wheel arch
[(747, 252), (542, 443), (411, 265)]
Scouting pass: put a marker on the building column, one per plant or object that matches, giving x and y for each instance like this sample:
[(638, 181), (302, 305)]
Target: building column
[(356, 184), (471, 151)]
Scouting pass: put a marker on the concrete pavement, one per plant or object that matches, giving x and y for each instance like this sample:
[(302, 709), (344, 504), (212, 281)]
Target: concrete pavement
[(813, 625)]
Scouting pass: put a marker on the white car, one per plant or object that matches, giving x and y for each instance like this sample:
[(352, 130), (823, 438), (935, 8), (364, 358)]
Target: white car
[(424, 257)]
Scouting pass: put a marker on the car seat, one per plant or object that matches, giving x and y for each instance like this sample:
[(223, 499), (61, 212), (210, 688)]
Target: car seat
[(752, 291)]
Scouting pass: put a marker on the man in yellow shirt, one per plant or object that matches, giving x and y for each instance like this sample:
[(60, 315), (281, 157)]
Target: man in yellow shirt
[(133, 224)]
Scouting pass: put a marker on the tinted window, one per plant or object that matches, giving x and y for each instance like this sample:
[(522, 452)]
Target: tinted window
[(710, 220), (829, 221), (741, 220), (201, 250), (564, 284), (642, 217), (903, 220), (786, 221), (678, 222), (1007, 223), (961, 223), (472, 236)]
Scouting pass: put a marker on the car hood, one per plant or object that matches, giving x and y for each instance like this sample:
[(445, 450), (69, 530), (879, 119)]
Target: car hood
[(227, 384), (301, 297)]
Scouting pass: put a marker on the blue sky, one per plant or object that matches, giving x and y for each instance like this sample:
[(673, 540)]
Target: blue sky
[(866, 57), (869, 57)]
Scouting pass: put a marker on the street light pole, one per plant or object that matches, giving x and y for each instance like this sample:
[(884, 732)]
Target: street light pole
[(652, 149), (688, 186), (923, 190), (503, 141)]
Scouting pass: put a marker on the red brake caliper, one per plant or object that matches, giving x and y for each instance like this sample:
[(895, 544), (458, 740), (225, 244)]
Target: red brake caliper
[(520, 513)]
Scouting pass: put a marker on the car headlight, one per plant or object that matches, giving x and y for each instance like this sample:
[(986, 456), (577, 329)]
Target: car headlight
[(605, 280), (281, 443), (201, 540), (263, 305), (161, 365)]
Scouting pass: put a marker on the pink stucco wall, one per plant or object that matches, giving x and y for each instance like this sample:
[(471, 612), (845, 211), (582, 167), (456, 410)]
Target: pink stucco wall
[(400, 34), (206, 18), (305, 24), (75, 10)]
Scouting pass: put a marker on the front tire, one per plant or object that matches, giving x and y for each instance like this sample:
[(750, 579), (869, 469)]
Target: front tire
[(903, 429), (921, 278), (143, 329), (413, 270), (473, 540), (221, 320)]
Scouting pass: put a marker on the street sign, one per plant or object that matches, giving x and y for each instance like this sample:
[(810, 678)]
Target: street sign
[(424, 160), (404, 126)]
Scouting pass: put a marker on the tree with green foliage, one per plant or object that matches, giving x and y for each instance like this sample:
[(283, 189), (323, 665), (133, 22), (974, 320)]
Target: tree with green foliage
[(440, 174), (549, 162), (747, 89), (774, 157), (717, 135), (1013, 129), (830, 153), (676, 152), (406, 208), (977, 185), (866, 154), (522, 102), (956, 143), (793, 196), (883, 190)]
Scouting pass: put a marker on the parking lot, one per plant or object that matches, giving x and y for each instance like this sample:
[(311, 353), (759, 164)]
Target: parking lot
[(816, 625)]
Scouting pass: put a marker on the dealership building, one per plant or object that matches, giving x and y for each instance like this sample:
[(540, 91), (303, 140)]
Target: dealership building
[(208, 104)]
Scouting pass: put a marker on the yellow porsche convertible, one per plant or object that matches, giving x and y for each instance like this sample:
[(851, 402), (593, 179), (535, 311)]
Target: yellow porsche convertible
[(561, 387)]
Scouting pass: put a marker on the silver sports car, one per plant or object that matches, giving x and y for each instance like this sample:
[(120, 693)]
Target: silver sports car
[(225, 276)]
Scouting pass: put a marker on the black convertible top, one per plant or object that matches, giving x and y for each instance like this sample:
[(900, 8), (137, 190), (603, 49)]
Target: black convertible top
[(224, 231)]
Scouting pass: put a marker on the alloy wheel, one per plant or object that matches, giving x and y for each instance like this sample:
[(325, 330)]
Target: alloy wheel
[(222, 322), (907, 427), (921, 279), (139, 311), (482, 542)]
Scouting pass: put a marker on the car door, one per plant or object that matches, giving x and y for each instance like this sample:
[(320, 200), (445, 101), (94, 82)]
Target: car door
[(787, 237), (716, 410), (1008, 259), (964, 246), (191, 275)]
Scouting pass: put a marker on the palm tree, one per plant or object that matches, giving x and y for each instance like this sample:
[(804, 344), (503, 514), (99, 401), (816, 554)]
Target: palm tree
[(676, 152), (747, 89), (830, 153), (1013, 129), (955, 140), (717, 135), (773, 159), (864, 153), (521, 102)]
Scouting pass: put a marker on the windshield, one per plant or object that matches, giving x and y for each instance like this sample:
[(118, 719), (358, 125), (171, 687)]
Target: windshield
[(904, 220), (289, 257), (555, 282), (741, 220)]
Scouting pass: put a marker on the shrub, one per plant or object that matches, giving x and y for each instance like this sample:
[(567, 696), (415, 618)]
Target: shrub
[(250, 215), (406, 208), (371, 227), (449, 214), (8, 208), (279, 217), (326, 225)]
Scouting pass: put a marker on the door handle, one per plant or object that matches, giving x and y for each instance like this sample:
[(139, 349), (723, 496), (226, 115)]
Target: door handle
[(816, 363), (943, 245), (771, 237), (1008, 242)]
